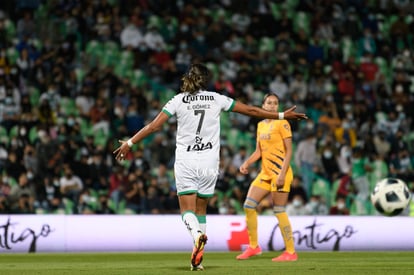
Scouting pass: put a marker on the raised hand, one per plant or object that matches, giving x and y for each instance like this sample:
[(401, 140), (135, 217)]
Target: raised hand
[(291, 114)]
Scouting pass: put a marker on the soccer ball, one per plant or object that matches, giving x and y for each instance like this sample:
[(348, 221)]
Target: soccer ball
[(390, 196)]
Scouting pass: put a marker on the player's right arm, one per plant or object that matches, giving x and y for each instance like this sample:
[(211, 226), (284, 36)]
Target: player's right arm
[(255, 156), (154, 126), (259, 112)]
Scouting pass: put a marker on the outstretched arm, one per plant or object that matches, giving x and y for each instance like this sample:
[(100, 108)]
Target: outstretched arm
[(255, 156), (150, 128), (259, 112)]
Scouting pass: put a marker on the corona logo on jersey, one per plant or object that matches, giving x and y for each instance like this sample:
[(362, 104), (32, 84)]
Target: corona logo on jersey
[(189, 98)]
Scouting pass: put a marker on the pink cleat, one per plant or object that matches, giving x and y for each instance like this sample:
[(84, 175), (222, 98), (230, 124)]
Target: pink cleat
[(286, 257), (198, 251), (249, 252)]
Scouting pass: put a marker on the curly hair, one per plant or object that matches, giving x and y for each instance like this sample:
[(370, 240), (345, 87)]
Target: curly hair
[(196, 79)]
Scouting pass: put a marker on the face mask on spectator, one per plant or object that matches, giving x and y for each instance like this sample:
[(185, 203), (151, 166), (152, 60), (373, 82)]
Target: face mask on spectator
[(184, 28), (346, 125), (327, 154), (30, 175), (297, 203)]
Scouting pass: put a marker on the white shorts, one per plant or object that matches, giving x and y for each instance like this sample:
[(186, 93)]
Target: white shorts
[(196, 176)]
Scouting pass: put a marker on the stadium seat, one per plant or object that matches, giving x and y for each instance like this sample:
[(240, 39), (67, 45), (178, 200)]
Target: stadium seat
[(12, 54), (4, 136), (33, 134), (80, 74), (34, 96), (85, 126), (275, 9), (334, 191), (291, 4), (382, 64), (69, 205), (365, 206), (214, 69), (238, 138), (266, 44), (68, 107), (348, 47), (14, 131), (100, 138), (225, 124), (412, 84), (320, 186), (257, 98), (121, 207), (138, 78), (301, 20), (94, 51), (10, 28), (110, 53), (166, 95), (409, 140), (3, 131), (154, 21), (124, 66)]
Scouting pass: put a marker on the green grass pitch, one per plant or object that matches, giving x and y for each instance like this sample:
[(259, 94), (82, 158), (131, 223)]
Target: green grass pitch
[(214, 263)]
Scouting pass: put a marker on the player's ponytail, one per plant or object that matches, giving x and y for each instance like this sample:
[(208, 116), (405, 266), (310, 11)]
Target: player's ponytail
[(196, 79)]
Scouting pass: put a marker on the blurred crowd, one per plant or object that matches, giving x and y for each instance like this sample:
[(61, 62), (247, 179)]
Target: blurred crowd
[(77, 76)]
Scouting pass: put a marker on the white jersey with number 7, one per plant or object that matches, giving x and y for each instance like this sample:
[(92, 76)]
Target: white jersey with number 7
[(198, 123)]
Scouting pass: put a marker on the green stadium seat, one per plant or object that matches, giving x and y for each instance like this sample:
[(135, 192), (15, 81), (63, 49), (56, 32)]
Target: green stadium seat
[(214, 69), (138, 78), (10, 28), (80, 74), (69, 205), (34, 96), (110, 53), (166, 95), (4, 136), (33, 134), (301, 20), (124, 66), (100, 138), (68, 106), (333, 191), (320, 186), (348, 47), (409, 139), (266, 44), (94, 52), (14, 131), (275, 10), (12, 54)]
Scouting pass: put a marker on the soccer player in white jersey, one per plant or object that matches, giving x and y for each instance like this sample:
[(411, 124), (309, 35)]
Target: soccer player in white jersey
[(197, 146)]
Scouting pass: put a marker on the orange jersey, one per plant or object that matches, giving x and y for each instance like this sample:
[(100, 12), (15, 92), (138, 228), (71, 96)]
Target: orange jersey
[(270, 136)]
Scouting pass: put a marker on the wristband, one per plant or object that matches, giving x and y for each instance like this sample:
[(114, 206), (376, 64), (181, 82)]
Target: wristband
[(130, 143), (281, 115)]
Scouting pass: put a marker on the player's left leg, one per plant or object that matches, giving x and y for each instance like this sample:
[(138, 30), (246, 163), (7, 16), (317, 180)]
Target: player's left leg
[(188, 207), (280, 199), (279, 202), (257, 191), (201, 240)]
